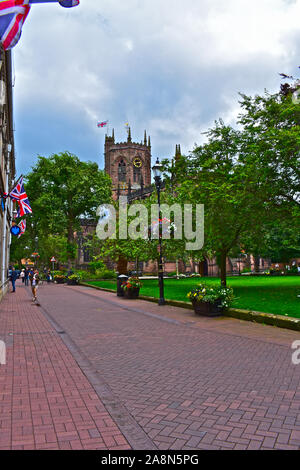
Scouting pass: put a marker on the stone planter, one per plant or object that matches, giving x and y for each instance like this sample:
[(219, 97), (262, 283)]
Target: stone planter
[(132, 293), (208, 309)]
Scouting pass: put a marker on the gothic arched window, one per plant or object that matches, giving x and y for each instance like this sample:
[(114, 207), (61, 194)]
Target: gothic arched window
[(136, 175), (122, 171)]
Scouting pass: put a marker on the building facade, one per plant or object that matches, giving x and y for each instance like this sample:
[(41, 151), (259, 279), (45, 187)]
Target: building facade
[(7, 170)]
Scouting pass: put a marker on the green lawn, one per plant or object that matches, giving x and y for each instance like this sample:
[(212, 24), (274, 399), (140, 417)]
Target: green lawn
[(278, 295)]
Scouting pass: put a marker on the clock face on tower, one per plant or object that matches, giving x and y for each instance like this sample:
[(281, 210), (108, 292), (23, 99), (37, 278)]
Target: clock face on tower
[(137, 162)]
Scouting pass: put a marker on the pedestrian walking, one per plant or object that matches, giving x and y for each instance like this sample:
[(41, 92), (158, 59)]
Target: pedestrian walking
[(26, 276), (13, 278), (34, 279), (49, 277), (22, 275)]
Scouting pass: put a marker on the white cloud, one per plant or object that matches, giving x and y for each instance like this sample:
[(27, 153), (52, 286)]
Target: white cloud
[(158, 64)]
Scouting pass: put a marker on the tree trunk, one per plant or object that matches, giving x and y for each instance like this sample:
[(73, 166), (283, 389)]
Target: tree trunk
[(223, 258), (122, 265), (256, 264), (177, 269), (70, 244)]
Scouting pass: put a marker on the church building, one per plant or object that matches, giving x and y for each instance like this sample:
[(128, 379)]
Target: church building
[(128, 164)]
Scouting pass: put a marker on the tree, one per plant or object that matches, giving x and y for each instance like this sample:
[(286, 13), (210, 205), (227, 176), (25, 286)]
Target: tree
[(271, 132), (249, 180), (216, 175), (61, 189)]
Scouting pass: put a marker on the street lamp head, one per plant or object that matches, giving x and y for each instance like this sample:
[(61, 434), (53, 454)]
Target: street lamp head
[(157, 170)]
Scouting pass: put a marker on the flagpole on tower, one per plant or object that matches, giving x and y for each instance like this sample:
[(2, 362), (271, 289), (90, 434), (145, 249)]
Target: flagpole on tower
[(102, 124)]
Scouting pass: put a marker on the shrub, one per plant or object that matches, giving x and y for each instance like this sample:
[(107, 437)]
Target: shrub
[(172, 273), (246, 270), (105, 274), (96, 265), (83, 274)]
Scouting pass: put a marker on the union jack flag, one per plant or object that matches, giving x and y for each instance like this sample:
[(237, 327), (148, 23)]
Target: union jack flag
[(13, 13), (19, 194), (22, 226)]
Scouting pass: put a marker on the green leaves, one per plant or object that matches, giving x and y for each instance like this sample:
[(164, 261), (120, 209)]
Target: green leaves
[(61, 189)]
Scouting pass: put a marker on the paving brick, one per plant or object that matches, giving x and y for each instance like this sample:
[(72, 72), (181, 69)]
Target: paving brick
[(169, 376), (46, 386)]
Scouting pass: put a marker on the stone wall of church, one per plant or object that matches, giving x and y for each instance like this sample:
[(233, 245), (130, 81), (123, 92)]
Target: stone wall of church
[(127, 163)]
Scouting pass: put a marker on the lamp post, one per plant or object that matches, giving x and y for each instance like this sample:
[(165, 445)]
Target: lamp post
[(36, 251), (80, 240), (157, 171)]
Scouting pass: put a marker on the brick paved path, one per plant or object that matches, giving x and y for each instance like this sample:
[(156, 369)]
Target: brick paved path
[(46, 402), (189, 382)]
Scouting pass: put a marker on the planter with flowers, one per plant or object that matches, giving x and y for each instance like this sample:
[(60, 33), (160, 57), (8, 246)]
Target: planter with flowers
[(210, 301), (132, 287), (73, 279), (59, 278)]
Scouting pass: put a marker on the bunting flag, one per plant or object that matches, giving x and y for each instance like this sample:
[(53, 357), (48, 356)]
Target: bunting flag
[(13, 13), (22, 226), (63, 3), (19, 194)]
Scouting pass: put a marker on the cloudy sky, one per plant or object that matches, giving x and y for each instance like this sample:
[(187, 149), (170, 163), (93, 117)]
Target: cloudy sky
[(171, 67)]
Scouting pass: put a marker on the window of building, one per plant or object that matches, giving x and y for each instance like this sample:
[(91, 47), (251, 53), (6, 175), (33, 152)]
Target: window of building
[(122, 171), (86, 255), (136, 175)]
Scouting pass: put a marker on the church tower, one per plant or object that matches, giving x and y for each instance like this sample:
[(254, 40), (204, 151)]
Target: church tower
[(127, 163)]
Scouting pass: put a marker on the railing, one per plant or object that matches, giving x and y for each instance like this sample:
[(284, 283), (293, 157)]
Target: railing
[(143, 192)]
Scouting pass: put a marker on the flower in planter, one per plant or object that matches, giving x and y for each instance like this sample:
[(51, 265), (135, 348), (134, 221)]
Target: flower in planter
[(59, 278), (211, 294), (132, 283), (74, 277)]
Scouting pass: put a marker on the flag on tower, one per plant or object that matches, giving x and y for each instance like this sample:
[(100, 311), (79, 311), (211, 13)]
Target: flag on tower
[(102, 124)]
